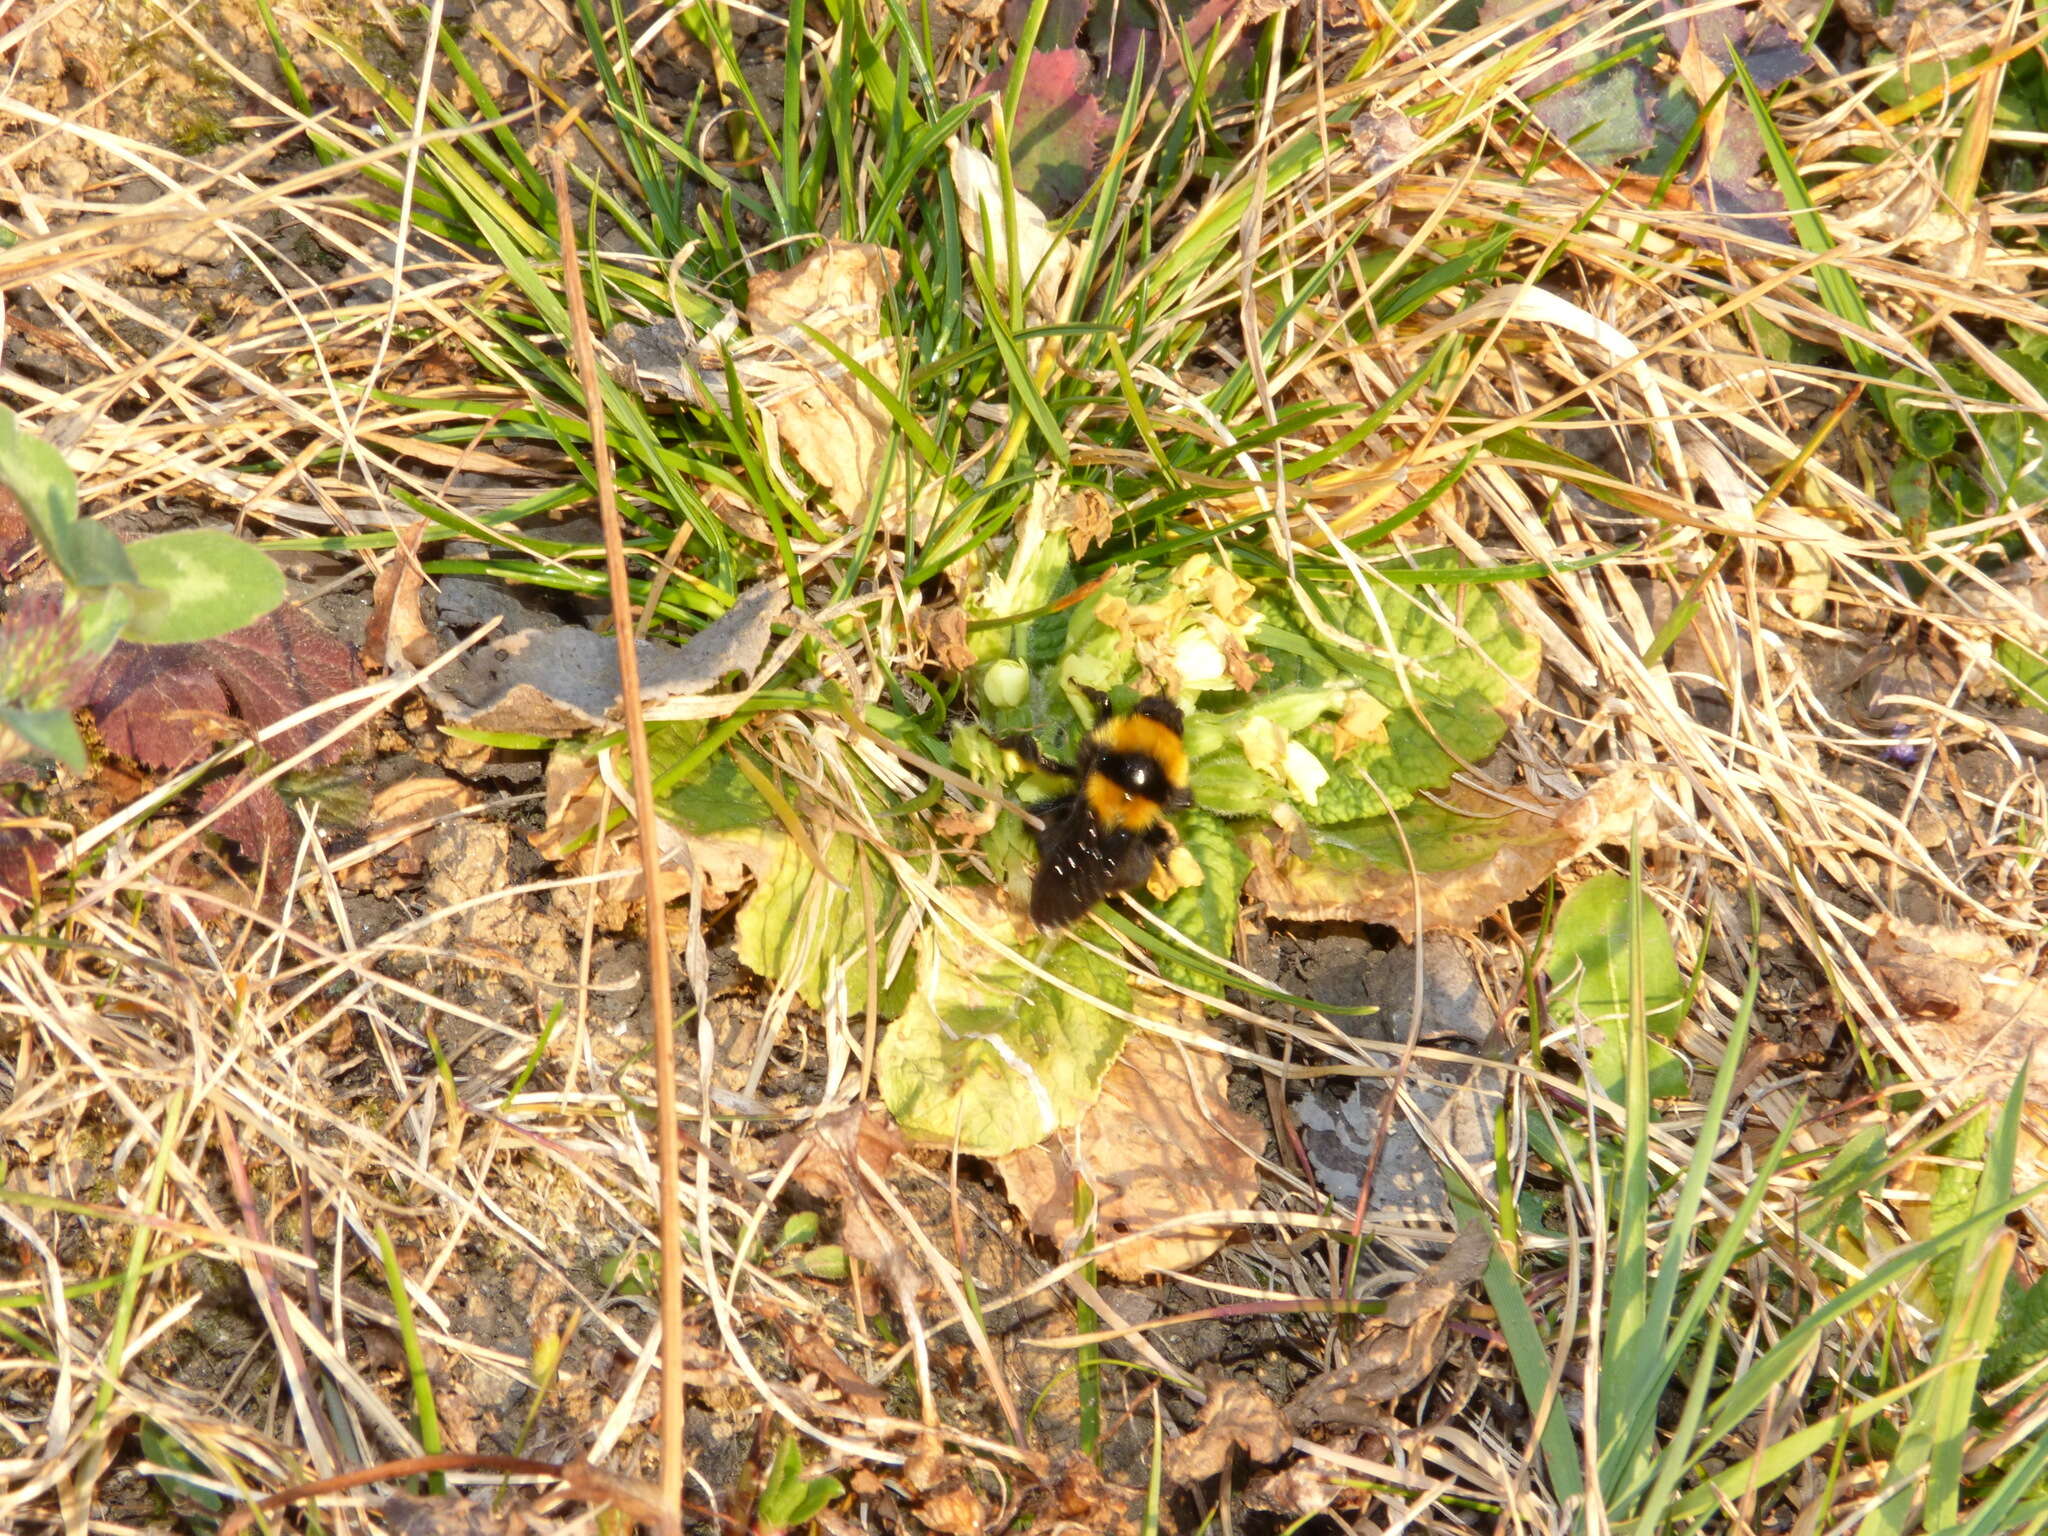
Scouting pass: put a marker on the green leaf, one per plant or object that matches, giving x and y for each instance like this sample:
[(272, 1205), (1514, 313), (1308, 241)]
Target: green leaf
[(788, 1498), (159, 1447), (805, 927), (707, 796), (1604, 928), (2026, 669), (1463, 661), (51, 732), (85, 554), (2022, 1331), (1206, 913), (989, 1057), (206, 583)]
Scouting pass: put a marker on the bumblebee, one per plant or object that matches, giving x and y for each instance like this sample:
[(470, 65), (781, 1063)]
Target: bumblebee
[(1105, 835)]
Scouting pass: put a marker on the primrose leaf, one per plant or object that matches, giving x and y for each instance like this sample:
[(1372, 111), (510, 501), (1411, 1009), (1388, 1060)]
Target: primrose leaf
[(1206, 913), (1466, 667), (2026, 669), (788, 1497), (1060, 24), (1730, 180), (1590, 974), (804, 925), (989, 1058), (1057, 139), (714, 796), (166, 1452), (207, 583), (26, 855), (1770, 53)]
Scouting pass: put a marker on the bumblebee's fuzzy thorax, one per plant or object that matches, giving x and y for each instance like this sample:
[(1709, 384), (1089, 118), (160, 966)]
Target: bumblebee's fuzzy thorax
[(1106, 834)]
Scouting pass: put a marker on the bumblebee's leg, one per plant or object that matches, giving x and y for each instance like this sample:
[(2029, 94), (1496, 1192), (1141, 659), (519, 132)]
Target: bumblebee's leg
[(1027, 749)]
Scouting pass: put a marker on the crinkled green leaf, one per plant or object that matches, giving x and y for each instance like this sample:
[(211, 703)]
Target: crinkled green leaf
[(1206, 913), (1590, 972), (1038, 568), (1592, 95), (1007, 847), (86, 554), (205, 583), (2022, 1331), (1225, 783), (805, 926), (990, 1058), (1462, 670)]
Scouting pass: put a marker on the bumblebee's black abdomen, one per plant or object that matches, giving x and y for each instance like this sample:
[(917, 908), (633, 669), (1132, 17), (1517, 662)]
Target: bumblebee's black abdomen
[(1081, 860)]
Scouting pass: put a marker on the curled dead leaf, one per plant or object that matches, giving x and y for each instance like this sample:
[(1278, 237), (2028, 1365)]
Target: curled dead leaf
[(1482, 856), (1397, 1351), (1237, 1414), (945, 635), (985, 224), (842, 1151), (828, 417)]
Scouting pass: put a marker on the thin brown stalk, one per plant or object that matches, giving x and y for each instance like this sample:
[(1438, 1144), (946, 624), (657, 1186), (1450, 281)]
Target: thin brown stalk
[(668, 1146)]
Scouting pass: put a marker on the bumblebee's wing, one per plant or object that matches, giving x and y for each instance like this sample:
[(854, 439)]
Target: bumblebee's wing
[(1079, 861)]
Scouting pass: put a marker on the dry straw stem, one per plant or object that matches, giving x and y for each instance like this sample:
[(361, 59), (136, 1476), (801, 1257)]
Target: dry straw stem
[(666, 1107)]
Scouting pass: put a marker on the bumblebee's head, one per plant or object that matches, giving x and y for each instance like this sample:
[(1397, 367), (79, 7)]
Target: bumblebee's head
[(1162, 709)]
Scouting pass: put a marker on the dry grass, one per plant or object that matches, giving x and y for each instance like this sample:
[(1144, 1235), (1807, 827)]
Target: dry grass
[(169, 1028)]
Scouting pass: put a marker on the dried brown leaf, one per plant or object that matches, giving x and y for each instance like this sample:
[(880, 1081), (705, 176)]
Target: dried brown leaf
[(1398, 1350), (1481, 858), (828, 418), (1161, 1142), (398, 638), (1974, 1015), (836, 1150), (1237, 1414)]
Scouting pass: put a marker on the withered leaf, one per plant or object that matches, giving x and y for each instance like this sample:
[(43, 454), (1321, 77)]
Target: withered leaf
[(1474, 856), (26, 855), (1399, 1349), (1974, 1015), (1161, 1142), (167, 705), (1237, 1414)]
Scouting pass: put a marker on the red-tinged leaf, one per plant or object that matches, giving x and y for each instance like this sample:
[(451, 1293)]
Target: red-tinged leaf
[(262, 826), (167, 705), (26, 855), (17, 539), (1060, 130)]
